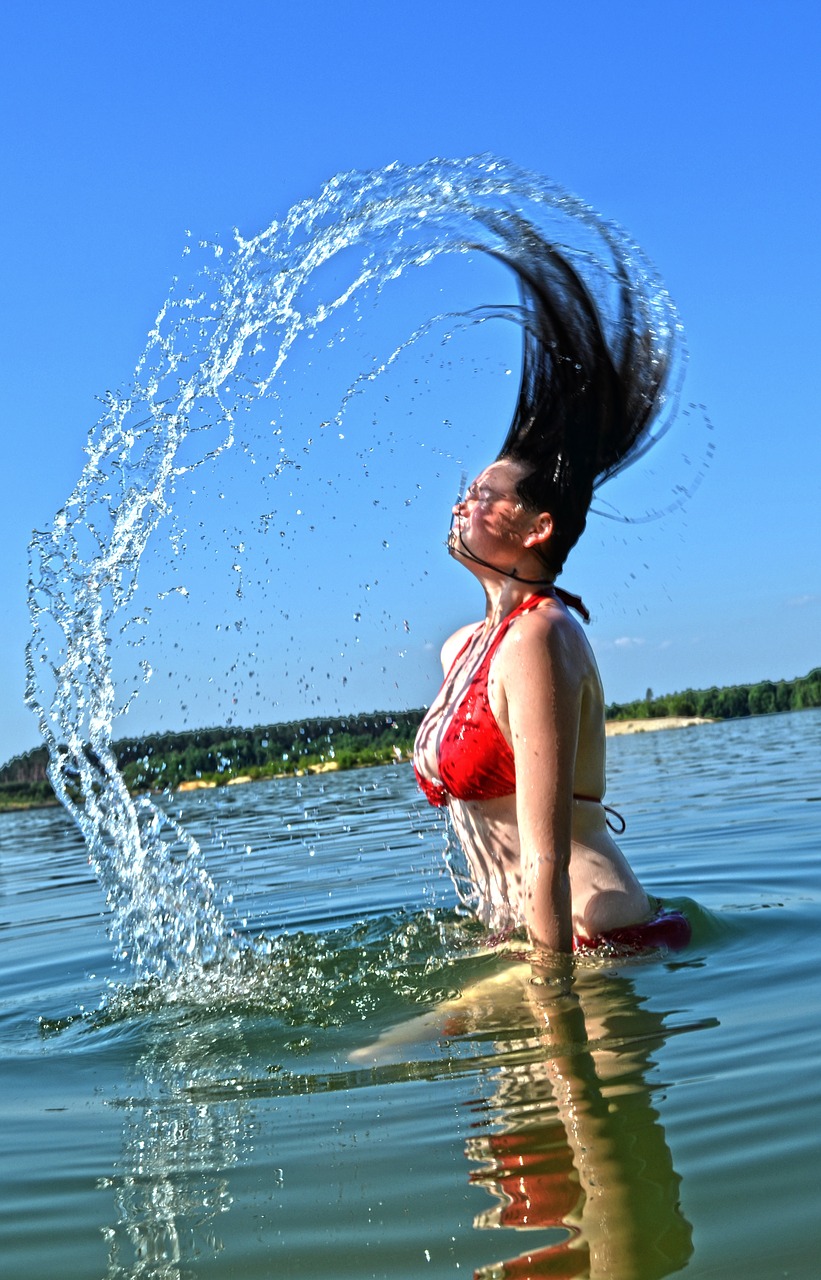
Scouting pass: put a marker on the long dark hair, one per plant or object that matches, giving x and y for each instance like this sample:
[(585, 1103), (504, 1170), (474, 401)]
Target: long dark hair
[(588, 398)]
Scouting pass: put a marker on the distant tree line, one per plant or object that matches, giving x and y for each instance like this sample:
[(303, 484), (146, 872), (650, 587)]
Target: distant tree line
[(730, 703), (215, 755), (165, 760)]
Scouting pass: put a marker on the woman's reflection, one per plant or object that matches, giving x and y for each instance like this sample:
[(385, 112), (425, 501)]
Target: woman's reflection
[(570, 1144), (568, 1141)]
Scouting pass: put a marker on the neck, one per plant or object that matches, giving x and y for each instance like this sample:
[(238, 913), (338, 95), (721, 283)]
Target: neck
[(505, 589), (504, 598), (517, 573)]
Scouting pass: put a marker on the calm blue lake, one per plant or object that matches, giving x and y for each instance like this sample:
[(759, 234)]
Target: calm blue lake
[(383, 1095)]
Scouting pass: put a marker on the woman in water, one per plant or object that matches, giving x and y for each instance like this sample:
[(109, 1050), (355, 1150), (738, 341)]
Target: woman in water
[(514, 742)]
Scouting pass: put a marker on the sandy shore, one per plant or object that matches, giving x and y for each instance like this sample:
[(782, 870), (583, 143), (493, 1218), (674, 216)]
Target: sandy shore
[(200, 784), (615, 727)]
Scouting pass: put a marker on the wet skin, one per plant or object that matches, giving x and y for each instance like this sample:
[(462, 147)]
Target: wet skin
[(541, 858)]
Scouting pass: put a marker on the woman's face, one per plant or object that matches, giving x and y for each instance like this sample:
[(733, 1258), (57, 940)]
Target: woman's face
[(490, 520)]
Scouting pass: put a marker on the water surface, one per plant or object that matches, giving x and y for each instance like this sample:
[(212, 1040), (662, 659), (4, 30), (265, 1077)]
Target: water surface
[(663, 1117)]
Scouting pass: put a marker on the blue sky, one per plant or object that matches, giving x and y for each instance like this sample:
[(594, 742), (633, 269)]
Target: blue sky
[(694, 125)]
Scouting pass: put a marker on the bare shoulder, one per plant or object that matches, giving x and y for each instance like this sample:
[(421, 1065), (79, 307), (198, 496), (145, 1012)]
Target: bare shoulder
[(545, 644), (548, 630), (454, 643)]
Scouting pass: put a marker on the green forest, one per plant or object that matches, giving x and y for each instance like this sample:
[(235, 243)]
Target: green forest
[(216, 756), (730, 703)]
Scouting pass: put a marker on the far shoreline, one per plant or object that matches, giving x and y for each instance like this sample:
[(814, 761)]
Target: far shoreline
[(614, 728)]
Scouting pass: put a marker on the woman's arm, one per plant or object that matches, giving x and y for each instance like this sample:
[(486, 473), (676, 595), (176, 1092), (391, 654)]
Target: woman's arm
[(541, 682)]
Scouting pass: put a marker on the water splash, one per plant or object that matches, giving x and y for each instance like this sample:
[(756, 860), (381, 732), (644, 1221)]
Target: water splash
[(219, 347)]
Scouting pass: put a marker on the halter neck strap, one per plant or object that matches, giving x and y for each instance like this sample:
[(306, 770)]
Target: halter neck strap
[(573, 602)]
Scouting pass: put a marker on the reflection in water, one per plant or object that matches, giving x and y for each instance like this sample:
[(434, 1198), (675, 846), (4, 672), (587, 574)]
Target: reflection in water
[(188, 1142), (571, 1145), (177, 1151), (566, 1138), (206, 1064)]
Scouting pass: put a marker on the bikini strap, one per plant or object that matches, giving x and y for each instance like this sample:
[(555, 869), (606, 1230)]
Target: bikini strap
[(504, 626), (608, 809), (619, 831), (567, 598), (461, 651), (573, 602), (501, 630)]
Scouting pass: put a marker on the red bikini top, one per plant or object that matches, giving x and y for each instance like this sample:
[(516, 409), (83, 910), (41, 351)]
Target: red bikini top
[(475, 760)]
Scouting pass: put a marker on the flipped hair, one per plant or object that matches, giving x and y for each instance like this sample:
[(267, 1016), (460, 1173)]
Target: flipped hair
[(587, 399)]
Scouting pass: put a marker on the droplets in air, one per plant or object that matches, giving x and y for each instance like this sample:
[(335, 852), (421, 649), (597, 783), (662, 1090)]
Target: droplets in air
[(166, 581)]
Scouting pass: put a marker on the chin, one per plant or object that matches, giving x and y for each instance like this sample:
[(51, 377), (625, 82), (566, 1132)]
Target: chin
[(455, 551)]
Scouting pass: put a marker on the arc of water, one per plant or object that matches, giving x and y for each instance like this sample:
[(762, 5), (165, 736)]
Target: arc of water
[(203, 358)]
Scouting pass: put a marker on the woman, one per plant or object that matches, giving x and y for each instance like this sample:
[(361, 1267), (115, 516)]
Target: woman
[(514, 743)]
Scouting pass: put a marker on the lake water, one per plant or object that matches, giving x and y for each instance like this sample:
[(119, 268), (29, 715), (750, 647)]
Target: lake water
[(382, 1095)]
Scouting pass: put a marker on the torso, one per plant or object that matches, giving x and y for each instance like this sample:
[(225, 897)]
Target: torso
[(464, 748)]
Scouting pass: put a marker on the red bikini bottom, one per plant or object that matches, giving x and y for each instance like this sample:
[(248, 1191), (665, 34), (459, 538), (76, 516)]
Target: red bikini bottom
[(669, 929)]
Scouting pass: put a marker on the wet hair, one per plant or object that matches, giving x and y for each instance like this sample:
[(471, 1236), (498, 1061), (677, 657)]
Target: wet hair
[(587, 398)]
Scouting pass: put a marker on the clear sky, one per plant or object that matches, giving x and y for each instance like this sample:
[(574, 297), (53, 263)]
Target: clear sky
[(694, 125)]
